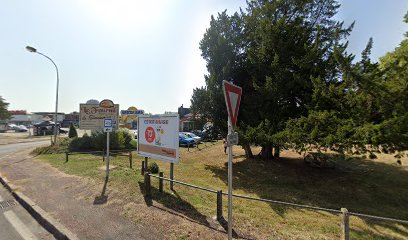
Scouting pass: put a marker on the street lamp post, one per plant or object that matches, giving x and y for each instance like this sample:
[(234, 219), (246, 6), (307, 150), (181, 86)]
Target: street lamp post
[(33, 50)]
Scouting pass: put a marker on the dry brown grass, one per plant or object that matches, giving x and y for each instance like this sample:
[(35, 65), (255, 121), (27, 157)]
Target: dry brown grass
[(368, 186)]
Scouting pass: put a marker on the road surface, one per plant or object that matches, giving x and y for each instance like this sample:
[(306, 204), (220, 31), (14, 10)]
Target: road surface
[(15, 222)]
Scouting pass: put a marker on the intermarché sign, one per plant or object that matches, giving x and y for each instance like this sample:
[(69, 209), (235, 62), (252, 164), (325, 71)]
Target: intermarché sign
[(91, 116)]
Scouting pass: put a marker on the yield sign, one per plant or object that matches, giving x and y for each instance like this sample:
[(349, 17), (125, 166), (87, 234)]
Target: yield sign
[(232, 94)]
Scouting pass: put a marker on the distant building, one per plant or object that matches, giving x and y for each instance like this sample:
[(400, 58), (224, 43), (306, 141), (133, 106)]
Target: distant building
[(186, 119), (49, 116), (168, 112), (70, 118), (187, 123), (22, 117), (182, 111)]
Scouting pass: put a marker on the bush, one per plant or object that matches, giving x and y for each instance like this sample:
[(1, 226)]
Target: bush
[(133, 144), (153, 168), (118, 140), (72, 131), (85, 143), (60, 147)]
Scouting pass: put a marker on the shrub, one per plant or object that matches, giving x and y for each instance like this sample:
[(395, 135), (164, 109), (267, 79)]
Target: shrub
[(371, 155), (133, 144), (84, 143), (61, 147), (121, 139), (153, 168), (72, 131)]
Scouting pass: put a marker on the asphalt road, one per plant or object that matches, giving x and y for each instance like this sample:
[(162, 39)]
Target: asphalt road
[(15, 222), (8, 149)]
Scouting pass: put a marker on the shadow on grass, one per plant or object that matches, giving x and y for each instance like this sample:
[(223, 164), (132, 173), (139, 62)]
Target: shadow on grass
[(359, 234), (175, 203), (360, 185)]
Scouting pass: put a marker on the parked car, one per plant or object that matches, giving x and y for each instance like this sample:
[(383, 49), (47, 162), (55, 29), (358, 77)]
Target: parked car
[(184, 140), (196, 138), (20, 128), (134, 131), (198, 133), (63, 130), (11, 126)]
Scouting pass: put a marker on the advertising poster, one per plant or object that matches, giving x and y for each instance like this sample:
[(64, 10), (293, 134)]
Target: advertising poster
[(158, 137)]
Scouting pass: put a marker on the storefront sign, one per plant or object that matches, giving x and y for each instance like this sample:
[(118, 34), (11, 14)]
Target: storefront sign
[(91, 116), (132, 112)]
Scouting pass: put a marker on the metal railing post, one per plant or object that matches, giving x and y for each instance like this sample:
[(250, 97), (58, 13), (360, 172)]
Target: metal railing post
[(161, 182), (219, 205), (171, 176), (146, 161), (345, 224), (66, 156), (130, 159)]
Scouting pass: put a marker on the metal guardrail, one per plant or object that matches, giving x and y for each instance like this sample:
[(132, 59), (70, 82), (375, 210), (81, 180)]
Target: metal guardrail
[(378, 218), (183, 183), (345, 214), (129, 151)]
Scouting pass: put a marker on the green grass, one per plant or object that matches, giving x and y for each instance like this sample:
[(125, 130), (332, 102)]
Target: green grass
[(377, 187)]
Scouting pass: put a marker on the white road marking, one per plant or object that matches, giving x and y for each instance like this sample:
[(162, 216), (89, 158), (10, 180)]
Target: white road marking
[(18, 225)]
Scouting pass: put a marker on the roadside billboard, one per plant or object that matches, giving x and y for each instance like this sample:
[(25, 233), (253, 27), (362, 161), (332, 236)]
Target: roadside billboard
[(158, 137), (91, 116)]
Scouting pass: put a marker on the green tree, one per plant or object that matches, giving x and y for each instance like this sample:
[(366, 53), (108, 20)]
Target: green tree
[(4, 113), (72, 131), (275, 50), (368, 107)]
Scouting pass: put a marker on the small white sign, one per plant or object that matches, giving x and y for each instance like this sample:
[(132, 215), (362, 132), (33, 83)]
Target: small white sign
[(107, 129), (232, 138)]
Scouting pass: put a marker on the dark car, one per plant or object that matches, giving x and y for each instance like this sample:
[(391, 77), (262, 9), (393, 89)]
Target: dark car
[(63, 130)]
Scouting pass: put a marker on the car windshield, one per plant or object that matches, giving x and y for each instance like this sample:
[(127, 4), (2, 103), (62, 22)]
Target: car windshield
[(183, 136), (191, 135)]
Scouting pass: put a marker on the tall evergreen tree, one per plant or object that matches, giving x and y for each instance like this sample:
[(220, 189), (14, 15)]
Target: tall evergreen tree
[(277, 51), (4, 113)]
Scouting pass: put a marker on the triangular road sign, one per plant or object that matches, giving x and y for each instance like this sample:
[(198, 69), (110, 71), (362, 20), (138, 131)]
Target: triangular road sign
[(232, 94)]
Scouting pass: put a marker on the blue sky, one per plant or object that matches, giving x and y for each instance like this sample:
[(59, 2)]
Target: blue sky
[(136, 53)]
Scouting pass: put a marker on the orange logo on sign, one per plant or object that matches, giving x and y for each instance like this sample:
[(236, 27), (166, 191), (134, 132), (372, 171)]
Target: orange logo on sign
[(106, 103), (150, 134)]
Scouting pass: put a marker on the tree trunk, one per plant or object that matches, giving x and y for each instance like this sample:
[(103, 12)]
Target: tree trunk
[(276, 153), (266, 152), (248, 151)]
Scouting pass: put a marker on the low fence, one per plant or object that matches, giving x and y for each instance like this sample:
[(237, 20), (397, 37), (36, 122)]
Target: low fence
[(344, 213), (123, 152)]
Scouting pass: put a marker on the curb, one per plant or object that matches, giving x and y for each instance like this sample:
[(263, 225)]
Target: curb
[(42, 217)]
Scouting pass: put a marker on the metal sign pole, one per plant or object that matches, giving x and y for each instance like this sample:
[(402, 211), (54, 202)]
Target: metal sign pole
[(107, 155), (171, 176), (229, 183)]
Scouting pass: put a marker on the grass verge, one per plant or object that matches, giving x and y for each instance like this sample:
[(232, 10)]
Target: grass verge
[(375, 187)]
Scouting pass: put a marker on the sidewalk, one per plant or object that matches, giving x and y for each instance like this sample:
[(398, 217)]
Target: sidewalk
[(70, 200)]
